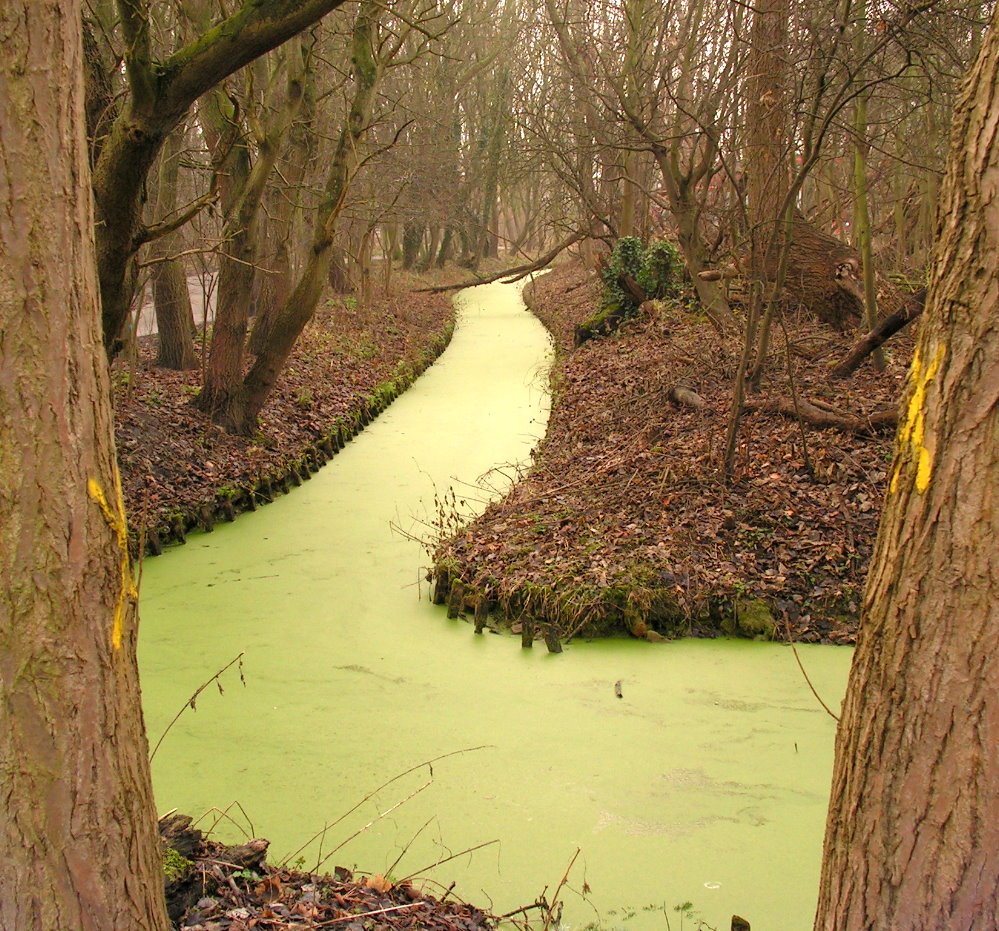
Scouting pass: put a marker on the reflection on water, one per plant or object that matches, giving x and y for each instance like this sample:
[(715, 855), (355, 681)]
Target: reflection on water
[(706, 783)]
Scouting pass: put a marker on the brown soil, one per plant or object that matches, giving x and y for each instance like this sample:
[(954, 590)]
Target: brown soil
[(624, 521)]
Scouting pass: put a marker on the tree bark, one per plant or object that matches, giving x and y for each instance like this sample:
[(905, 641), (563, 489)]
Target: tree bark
[(244, 186), (172, 301), (282, 210), (863, 233), (912, 838), (171, 298), (77, 822)]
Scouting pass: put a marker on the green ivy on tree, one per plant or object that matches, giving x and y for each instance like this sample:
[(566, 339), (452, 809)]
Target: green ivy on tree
[(655, 268)]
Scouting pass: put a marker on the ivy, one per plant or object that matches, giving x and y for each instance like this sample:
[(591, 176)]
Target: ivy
[(656, 269), (661, 270)]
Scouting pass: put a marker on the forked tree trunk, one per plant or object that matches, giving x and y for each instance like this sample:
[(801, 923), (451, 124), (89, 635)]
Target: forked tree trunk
[(244, 189), (77, 822), (160, 93), (245, 404), (912, 839)]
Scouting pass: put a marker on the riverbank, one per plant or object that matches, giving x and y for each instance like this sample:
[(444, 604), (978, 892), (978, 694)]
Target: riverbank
[(213, 887), (180, 472), (624, 523)]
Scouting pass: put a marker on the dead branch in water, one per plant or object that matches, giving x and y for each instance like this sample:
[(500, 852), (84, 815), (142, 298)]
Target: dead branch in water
[(512, 274), (192, 701)]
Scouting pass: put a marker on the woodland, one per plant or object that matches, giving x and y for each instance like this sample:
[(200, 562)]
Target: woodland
[(773, 229)]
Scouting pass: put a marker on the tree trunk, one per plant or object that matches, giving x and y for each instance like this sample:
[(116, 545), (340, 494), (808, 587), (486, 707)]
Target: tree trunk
[(685, 212), (768, 150), (171, 298), (493, 151), (445, 249), (412, 239), (823, 275), (283, 209), (77, 823), (244, 188), (172, 301), (863, 234), (913, 829)]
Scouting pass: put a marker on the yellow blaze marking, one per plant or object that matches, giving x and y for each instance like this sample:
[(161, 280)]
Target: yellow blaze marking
[(912, 431), (115, 519)]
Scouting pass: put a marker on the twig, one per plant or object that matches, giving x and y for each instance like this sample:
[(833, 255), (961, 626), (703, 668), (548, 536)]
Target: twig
[(794, 649), (360, 915), (192, 701), (409, 844), (372, 822), (794, 398), (453, 856), (373, 793), (223, 815), (523, 910), (558, 890)]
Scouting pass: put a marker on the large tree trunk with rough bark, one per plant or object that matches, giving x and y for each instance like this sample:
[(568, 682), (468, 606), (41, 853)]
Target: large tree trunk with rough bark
[(912, 840), (823, 275), (77, 822)]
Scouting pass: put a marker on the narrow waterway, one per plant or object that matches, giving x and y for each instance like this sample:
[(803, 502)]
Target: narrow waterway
[(707, 782)]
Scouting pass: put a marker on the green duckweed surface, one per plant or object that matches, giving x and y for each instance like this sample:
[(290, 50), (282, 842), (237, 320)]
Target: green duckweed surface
[(706, 782)]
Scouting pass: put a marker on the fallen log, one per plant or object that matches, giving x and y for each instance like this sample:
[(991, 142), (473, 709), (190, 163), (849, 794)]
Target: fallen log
[(512, 274), (887, 328), (719, 274), (684, 397), (816, 416)]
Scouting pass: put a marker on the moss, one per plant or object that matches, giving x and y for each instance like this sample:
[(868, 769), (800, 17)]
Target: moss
[(175, 866), (750, 618)]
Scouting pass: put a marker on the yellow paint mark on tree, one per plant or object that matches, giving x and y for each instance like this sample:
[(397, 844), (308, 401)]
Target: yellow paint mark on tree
[(115, 518), (911, 448)]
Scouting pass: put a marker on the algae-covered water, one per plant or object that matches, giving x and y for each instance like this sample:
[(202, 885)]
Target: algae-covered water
[(705, 783)]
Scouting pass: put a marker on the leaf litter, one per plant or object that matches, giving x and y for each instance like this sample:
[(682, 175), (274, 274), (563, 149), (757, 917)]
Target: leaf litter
[(624, 522)]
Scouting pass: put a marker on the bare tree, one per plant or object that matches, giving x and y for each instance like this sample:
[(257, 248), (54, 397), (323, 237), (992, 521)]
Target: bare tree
[(159, 95)]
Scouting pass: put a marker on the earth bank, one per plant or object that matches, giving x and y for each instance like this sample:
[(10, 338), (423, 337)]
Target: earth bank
[(180, 472), (624, 522)]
